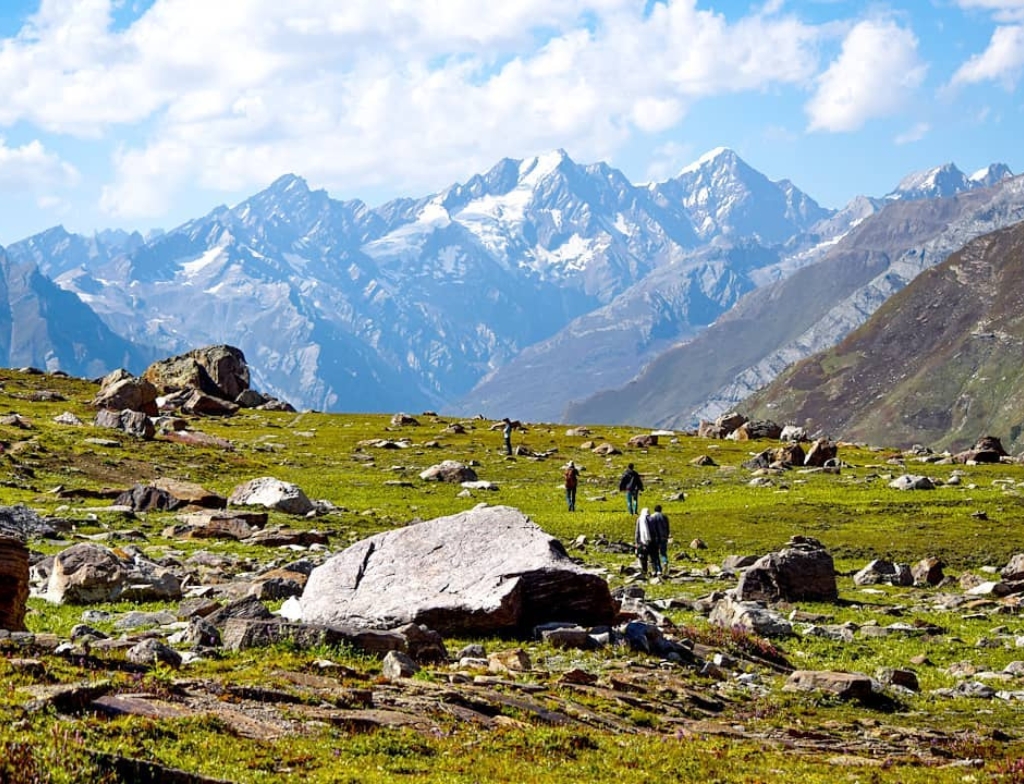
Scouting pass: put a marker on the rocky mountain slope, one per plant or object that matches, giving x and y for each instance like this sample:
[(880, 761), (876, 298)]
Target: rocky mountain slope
[(810, 310), (938, 363), (44, 326)]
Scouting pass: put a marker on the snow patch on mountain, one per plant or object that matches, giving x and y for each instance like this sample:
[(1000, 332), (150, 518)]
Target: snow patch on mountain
[(703, 161)]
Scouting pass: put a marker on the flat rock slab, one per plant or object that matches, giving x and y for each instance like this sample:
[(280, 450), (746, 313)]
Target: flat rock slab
[(490, 570), (845, 685)]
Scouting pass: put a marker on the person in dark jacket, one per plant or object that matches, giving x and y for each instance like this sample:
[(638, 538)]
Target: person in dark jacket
[(658, 523), (506, 434), (572, 477), (631, 484)]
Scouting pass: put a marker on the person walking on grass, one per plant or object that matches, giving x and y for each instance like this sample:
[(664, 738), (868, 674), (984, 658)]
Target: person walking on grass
[(572, 477), (506, 434), (631, 484), (658, 523), (646, 546)]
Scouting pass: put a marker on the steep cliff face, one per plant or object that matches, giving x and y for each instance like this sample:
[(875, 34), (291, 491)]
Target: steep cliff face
[(939, 363)]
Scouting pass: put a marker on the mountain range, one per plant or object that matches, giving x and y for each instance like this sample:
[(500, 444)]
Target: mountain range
[(542, 288)]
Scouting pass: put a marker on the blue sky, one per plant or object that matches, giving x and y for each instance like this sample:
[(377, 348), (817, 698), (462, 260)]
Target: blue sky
[(135, 115)]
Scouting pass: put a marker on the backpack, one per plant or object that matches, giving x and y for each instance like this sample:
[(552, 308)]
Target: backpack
[(570, 477)]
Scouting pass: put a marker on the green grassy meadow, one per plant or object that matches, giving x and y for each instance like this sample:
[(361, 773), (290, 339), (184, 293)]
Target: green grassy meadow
[(766, 735)]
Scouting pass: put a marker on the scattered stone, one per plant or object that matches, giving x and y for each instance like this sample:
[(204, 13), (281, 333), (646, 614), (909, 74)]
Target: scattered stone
[(928, 571), (203, 404), (151, 652), (912, 482), (988, 449), (732, 613), (126, 393), (643, 441), (514, 660), (134, 423), (881, 571), (821, 453), (398, 665), (793, 433), (218, 370)]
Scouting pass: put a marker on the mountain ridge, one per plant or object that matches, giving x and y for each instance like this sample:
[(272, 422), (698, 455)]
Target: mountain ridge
[(535, 283)]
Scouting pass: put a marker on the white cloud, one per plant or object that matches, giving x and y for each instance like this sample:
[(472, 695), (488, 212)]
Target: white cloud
[(876, 72), (231, 95), (1002, 61), (914, 133), (374, 91), (31, 166), (1002, 10)]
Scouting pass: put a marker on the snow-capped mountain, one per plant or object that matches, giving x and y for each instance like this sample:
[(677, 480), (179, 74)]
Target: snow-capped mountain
[(530, 285), (947, 180), (723, 196)]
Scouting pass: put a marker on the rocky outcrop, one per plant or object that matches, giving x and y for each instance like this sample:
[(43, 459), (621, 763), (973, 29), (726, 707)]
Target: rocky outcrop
[(220, 371), (488, 570), (803, 570), (987, 449), (89, 573)]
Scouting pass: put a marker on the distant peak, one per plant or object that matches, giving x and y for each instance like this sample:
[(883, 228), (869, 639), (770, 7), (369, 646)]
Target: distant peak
[(709, 157), (992, 173), (288, 182), (533, 170)]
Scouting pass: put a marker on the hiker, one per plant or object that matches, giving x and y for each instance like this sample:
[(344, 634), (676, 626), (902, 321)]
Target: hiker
[(506, 433), (646, 546), (631, 484), (658, 523), (572, 476)]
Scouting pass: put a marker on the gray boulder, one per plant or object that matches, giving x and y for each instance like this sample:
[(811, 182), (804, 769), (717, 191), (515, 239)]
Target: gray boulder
[(449, 471), (802, 571), (84, 574), (90, 573), (488, 570), (134, 423), (880, 571), (844, 685), (273, 494), (127, 392), (731, 613), (912, 482)]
